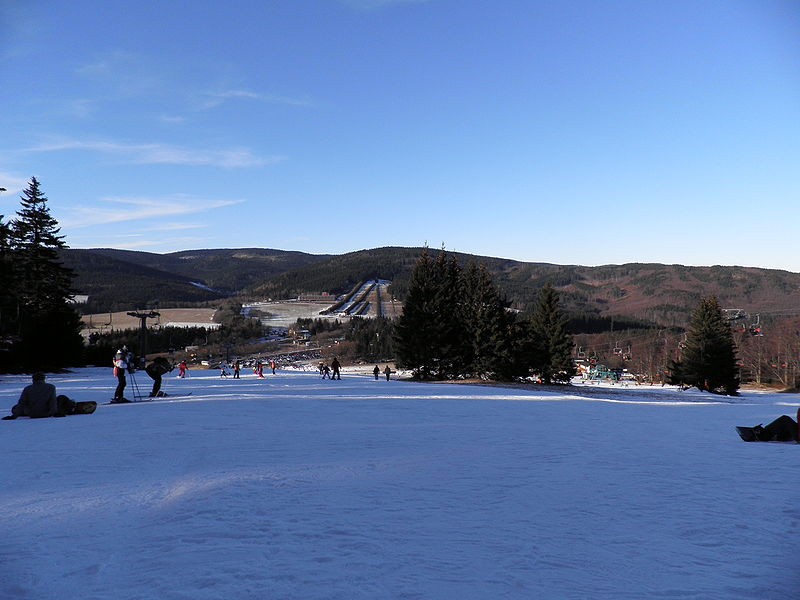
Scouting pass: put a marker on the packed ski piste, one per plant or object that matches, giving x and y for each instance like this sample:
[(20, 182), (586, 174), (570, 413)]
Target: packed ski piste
[(288, 485)]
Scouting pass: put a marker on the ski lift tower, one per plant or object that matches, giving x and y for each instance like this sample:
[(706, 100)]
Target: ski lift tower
[(143, 316)]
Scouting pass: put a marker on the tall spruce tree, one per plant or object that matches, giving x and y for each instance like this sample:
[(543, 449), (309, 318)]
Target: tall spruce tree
[(450, 333), (431, 336), (551, 351), (708, 360), (8, 293), (415, 344), (489, 325), (49, 327)]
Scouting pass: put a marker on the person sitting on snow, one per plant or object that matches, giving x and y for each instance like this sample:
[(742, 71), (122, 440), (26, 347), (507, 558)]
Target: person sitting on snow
[(782, 429), (37, 400)]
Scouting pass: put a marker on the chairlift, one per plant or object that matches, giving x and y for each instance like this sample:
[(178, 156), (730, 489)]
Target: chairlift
[(102, 326), (755, 328), (734, 314)]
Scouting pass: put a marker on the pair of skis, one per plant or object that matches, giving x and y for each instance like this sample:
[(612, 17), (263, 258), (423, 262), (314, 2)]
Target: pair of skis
[(149, 398)]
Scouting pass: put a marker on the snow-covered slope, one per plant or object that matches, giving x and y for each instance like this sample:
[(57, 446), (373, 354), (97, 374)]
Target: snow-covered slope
[(298, 488)]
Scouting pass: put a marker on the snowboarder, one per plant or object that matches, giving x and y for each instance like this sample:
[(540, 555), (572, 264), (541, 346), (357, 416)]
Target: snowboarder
[(156, 369), (782, 429), (36, 400), (122, 363), (335, 366), (388, 372), (376, 371)]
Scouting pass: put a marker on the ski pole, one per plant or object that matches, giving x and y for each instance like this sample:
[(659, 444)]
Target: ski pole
[(136, 392)]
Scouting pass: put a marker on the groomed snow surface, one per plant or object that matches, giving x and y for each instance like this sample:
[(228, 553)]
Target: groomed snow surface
[(299, 488)]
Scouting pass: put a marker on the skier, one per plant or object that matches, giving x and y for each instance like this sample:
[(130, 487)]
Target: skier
[(335, 366), (156, 369), (223, 371), (36, 400), (121, 364), (272, 366), (388, 372), (182, 369), (236, 370), (376, 371)]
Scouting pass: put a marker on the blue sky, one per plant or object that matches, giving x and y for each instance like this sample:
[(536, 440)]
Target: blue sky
[(581, 132)]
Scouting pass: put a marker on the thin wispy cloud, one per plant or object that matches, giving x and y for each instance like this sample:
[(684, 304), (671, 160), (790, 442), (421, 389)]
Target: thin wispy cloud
[(182, 226), (172, 119), (123, 74), (13, 185), (122, 209), (215, 99), (163, 154), (378, 4)]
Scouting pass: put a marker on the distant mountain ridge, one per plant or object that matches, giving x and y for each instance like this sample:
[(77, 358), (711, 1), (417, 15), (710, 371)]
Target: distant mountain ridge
[(662, 295)]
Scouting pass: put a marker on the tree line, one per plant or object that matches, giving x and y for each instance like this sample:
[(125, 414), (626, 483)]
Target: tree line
[(456, 325)]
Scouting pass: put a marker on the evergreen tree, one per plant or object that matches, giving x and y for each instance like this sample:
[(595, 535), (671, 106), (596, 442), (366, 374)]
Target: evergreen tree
[(8, 293), (450, 334), (550, 346), (43, 282), (490, 326), (431, 336), (415, 337), (709, 357), (48, 325)]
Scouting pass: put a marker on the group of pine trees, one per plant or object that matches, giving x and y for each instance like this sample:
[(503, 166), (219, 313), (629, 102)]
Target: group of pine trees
[(456, 324), (708, 359), (39, 327)]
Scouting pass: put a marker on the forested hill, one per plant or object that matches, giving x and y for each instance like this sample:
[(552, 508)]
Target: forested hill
[(226, 270), (122, 279), (654, 293)]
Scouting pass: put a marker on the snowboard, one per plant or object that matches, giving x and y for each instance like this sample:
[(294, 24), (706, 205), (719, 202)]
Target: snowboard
[(79, 408), (747, 434), (84, 408)]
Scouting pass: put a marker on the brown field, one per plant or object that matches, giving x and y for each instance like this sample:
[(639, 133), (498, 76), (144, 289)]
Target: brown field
[(281, 314), (106, 322)]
